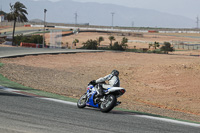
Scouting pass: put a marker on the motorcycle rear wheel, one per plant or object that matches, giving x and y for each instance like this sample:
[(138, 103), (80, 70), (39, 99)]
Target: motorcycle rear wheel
[(108, 104), (82, 101)]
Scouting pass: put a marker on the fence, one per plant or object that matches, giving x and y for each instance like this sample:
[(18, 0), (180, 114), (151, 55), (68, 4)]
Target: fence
[(55, 39), (187, 46)]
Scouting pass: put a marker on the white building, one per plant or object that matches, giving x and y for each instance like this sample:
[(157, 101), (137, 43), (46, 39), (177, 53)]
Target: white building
[(1, 18)]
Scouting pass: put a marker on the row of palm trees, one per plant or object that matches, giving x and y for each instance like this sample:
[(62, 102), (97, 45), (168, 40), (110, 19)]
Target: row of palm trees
[(111, 38), (100, 39)]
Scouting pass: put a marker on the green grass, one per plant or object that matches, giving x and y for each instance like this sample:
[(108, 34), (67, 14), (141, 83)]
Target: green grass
[(1, 64)]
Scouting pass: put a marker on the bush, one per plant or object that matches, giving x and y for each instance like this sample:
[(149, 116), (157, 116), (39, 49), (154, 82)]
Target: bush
[(117, 46), (167, 48), (28, 39), (135, 50), (90, 44), (36, 39), (156, 51), (93, 44)]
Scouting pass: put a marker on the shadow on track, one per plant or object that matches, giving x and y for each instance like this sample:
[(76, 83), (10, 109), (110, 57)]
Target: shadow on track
[(12, 94)]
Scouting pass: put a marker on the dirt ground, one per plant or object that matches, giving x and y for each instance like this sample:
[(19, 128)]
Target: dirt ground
[(134, 40), (166, 85)]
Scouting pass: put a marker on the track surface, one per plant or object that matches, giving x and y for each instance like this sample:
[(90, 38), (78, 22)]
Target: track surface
[(19, 51), (21, 114)]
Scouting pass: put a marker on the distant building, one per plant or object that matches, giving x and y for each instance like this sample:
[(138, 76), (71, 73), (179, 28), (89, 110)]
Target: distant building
[(1, 18)]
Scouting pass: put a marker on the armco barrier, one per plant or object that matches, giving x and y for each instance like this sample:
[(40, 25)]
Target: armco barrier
[(153, 31), (27, 25)]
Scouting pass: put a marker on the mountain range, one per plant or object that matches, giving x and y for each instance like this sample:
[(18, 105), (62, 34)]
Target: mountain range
[(101, 14)]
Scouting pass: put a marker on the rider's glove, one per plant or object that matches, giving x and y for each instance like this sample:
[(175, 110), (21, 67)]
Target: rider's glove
[(93, 82)]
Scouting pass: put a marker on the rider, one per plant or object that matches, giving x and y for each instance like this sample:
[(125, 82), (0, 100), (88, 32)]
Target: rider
[(113, 81)]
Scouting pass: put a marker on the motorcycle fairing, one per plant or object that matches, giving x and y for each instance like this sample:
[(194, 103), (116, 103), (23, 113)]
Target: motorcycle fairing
[(114, 89), (90, 101)]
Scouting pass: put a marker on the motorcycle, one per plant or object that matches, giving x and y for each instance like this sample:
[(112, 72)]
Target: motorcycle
[(105, 103)]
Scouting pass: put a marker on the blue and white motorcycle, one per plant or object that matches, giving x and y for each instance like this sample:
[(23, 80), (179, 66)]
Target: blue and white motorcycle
[(105, 103)]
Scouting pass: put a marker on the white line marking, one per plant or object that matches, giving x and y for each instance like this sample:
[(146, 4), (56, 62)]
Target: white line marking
[(169, 120), (59, 101), (8, 89)]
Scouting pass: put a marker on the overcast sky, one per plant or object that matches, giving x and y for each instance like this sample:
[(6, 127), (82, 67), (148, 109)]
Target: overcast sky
[(188, 8)]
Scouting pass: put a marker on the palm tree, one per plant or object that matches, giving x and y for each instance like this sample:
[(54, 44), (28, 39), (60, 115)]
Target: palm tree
[(111, 38), (156, 44), (124, 40), (99, 40), (18, 14), (150, 45), (67, 44), (75, 42)]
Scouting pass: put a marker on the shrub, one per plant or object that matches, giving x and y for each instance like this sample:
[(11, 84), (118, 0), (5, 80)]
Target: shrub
[(167, 48), (28, 39), (90, 44), (117, 46)]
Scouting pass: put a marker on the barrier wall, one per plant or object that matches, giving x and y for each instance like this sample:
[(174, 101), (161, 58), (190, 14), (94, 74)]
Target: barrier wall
[(30, 45), (27, 25)]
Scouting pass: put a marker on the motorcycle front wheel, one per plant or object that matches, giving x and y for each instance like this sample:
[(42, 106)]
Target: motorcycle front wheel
[(108, 104), (82, 101)]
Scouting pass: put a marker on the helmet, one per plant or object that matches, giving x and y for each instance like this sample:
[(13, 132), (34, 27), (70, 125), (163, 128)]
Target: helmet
[(115, 73)]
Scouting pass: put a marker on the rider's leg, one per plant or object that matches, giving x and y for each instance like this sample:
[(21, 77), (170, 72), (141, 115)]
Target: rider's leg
[(103, 87), (100, 90), (106, 86)]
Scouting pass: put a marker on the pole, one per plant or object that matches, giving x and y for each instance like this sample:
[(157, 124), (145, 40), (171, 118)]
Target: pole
[(197, 22), (45, 10), (76, 15), (112, 18)]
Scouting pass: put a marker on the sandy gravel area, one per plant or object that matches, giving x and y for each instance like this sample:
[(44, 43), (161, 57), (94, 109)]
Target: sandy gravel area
[(161, 84)]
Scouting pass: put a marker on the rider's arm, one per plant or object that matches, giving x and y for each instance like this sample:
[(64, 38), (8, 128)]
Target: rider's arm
[(103, 79)]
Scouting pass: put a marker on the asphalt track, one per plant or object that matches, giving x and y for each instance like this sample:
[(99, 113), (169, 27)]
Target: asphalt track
[(8, 52), (26, 114)]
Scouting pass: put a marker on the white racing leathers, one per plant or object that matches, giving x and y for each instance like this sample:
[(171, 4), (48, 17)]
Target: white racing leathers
[(113, 81)]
